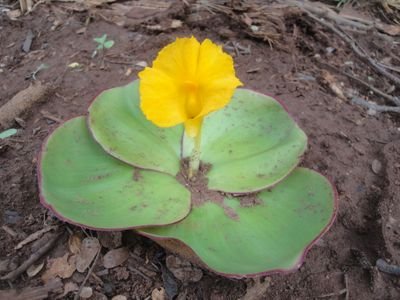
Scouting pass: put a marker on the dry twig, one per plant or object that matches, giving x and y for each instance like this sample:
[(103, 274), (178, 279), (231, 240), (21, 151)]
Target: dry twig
[(33, 293), (394, 100), (357, 49), (87, 275), (32, 259), (330, 295), (383, 266), (376, 107)]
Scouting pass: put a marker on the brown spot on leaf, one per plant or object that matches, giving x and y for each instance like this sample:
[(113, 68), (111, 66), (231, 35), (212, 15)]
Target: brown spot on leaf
[(136, 174)]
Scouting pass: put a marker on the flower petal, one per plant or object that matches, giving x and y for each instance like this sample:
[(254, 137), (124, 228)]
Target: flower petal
[(187, 81), (161, 99), (179, 60), (216, 77)]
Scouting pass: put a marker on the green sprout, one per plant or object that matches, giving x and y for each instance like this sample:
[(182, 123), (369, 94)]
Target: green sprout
[(7, 133), (102, 44)]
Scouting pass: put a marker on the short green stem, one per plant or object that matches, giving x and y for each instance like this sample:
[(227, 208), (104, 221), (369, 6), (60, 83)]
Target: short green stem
[(194, 161)]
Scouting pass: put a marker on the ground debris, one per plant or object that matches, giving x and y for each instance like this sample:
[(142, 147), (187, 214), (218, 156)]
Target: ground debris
[(33, 293), (50, 242), (22, 102), (34, 269), (258, 290), (74, 243), (82, 5), (34, 236), (182, 269), (26, 47), (333, 84), (89, 248), (62, 267), (86, 292), (383, 266), (169, 281), (376, 166), (264, 22), (158, 294), (115, 257), (119, 297), (154, 15), (110, 240), (69, 287)]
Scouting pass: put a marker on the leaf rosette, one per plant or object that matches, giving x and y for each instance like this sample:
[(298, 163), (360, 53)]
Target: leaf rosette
[(246, 210)]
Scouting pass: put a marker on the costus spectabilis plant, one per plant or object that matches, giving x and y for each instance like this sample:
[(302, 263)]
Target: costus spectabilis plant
[(188, 159)]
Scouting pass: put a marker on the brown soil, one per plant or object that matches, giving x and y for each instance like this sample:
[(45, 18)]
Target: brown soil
[(200, 193), (198, 185), (343, 142)]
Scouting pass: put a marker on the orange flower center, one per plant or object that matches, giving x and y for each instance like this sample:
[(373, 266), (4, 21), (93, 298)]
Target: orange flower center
[(193, 105)]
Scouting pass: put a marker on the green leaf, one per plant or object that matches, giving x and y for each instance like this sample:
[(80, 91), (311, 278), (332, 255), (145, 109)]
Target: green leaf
[(251, 144), (84, 185), (108, 44), (101, 40), (270, 236), (7, 133), (118, 124)]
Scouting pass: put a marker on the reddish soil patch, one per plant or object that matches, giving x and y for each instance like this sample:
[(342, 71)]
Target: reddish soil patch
[(343, 142)]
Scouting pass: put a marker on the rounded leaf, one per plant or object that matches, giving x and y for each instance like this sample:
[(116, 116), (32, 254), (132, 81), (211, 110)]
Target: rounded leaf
[(84, 185), (251, 144), (119, 126), (273, 234)]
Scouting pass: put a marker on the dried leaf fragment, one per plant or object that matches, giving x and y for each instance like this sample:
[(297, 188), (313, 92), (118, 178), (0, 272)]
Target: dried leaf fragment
[(158, 294), (110, 240), (34, 236), (119, 297), (69, 287), (62, 267), (74, 243), (333, 84), (86, 292), (183, 270), (115, 257), (89, 248), (258, 290), (34, 269)]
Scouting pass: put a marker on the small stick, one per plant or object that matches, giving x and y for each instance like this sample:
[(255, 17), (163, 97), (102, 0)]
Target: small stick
[(76, 297), (341, 292), (357, 50), (34, 236), (139, 273), (22, 102), (390, 67), (392, 99), (376, 107), (32, 259), (346, 282), (119, 62), (9, 230), (383, 266)]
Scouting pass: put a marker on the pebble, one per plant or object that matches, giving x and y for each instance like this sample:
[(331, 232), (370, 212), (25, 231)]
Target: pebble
[(86, 292), (119, 297), (376, 166), (108, 288)]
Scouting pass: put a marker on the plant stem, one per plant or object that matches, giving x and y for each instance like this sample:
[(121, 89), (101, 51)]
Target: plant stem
[(194, 161)]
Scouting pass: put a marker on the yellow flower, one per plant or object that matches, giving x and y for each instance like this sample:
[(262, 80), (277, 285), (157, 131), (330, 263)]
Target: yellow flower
[(187, 81)]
